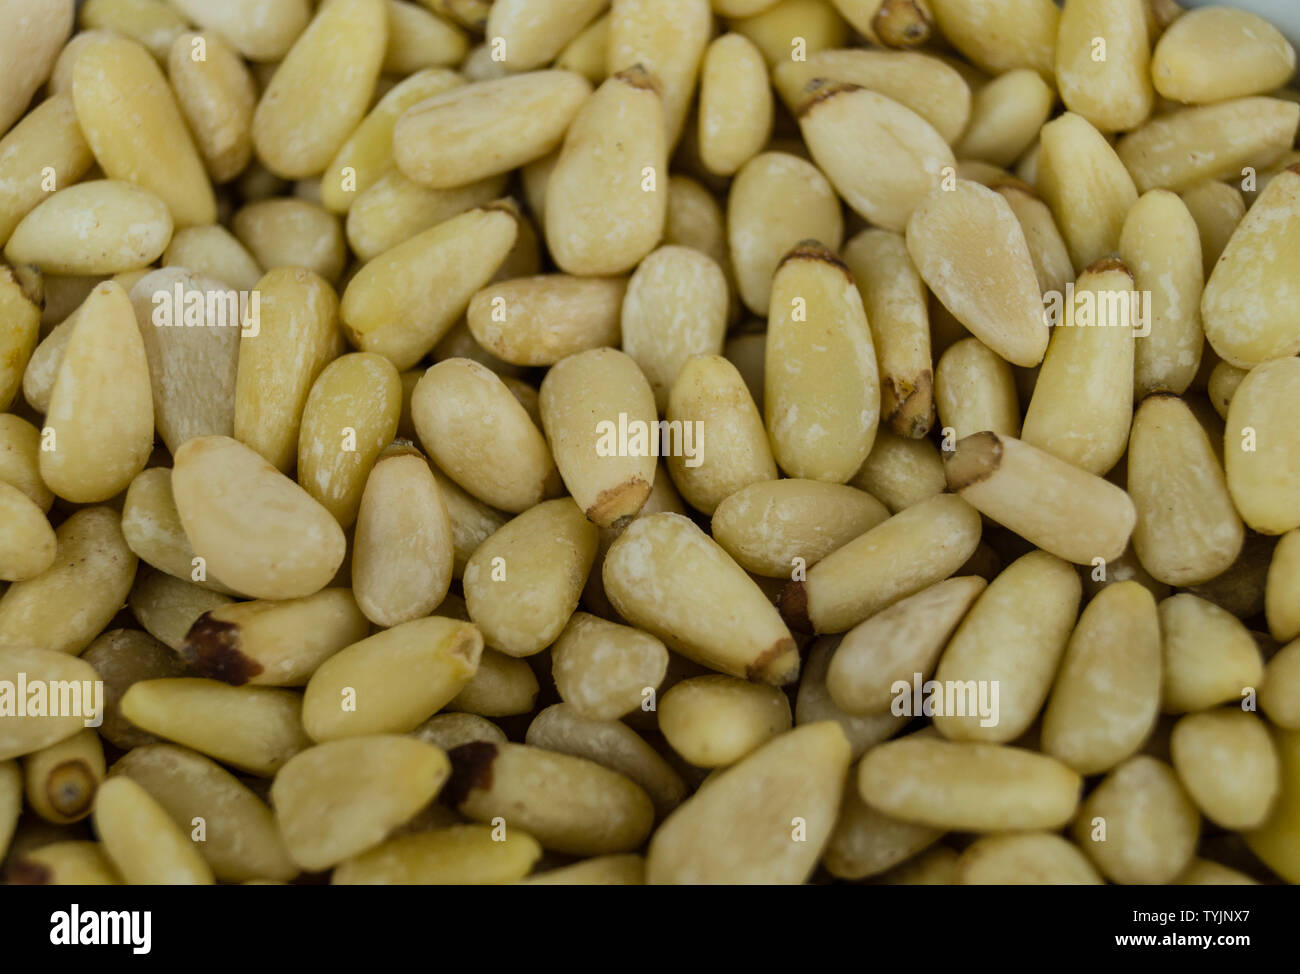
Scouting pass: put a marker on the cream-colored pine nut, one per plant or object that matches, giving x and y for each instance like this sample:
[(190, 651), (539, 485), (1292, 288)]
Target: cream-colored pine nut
[(523, 583), (295, 336), (403, 548), (975, 390), (533, 32), (350, 416), (240, 840), (459, 854), (735, 111), (866, 843), (675, 307), (322, 88), (1086, 185), (915, 548), (1226, 761), (1031, 859), (273, 643), (1217, 208), (213, 252), (151, 525), (714, 721), (1260, 446), (966, 786), (1103, 61), (707, 608), (20, 450), (667, 38), (1012, 639), (69, 863), (771, 526), (394, 209), (599, 415), (900, 472), (542, 319), (587, 54), (367, 155), (1139, 826), (503, 686), (48, 136), (1047, 248), (1050, 503), (1210, 658), (1280, 693), (1282, 592), (121, 658), (254, 729), (261, 30), (570, 804), (1107, 693), (1178, 150), (814, 704), (401, 303), (417, 39), (98, 227), (65, 607), (774, 28), (62, 779), (607, 195), (891, 23), (1160, 245), (36, 32), (908, 163), (1218, 53), (28, 733), (969, 248), (1188, 531), (486, 128), (155, 151), (144, 844), (740, 827), (479, 434), (711, 397), (257, 530), (894, 298), (1274, 842), (602, 669), (216, 95), (192, 347), (1006, 115), (393, 681), (613, 745), (27, 544), (822, 389), (337, 799), (925, 84), (1000, 35), (896, 644), (776, 201), (292, 233), (1082, 408), (1249, 298)]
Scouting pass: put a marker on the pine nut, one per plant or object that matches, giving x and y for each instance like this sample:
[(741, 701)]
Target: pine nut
[(1217, 53), (814, 703), (141, 840), (1033, 858), (27, 544), (1274, 842), (1282, 592), (1001, 35), (532, 33), (1109, 83), (1209, 656), (667, 38), (1259, 444), (36, 32), (457, 854)]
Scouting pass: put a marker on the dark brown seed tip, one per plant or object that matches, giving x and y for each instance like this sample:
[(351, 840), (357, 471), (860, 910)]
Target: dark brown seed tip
[(794, 606), (1107, 264), (471, 769), (914, 412), (777, 665), (902, 23), (815, 250), (211, 648), (638, 77), (615, 506), (820, 90), (400, 448), (22, 872), (974, 458)]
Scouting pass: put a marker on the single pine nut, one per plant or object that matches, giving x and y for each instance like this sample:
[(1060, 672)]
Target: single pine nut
[(1282, 592), (774, 27), (1218, 53), (1209, 656), (1109, 83), (141, 840), (1033, 858), (735, 104), (975, 390), (900, 471), (543, 319), (27, 543), (667, 38), (217, 96), (587, 54), (20, 450), (213, 252), (456, 854), (292, 233), (1259, 446), (602, 669), (1000, 35), (418, 39), (36, 33), (1006, 115), (48, 136), (532, 33), (1274, 842), (1227, 762), (715, 721)]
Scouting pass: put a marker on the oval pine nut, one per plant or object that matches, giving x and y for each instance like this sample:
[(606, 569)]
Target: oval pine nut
[(1103, 62), (1259, 444), (27, 544), (215, 93), (213, 252), (143, 843), (1218, 53), (531, 34), (259, 532), (1226, 761), (543, 319), (900, 472), (27, 732), (36, 33), (292, 233), (707, 608), (1209, 656), (1033, 858), (418, 39), (456, 854), (602, 669), (774, 28), (866, 843), (1006, 316), (735, 104), (715, 721), (49, 136), (393, 210), (999, 35), (975, 390), (322, 88), (261, 30), (1274, 841), (607, 195), (1006, 115), (1282, 592), (19, 459), (502, 687)]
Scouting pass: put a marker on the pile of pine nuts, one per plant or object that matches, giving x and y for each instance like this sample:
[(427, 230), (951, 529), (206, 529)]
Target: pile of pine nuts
[(648, 441)]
